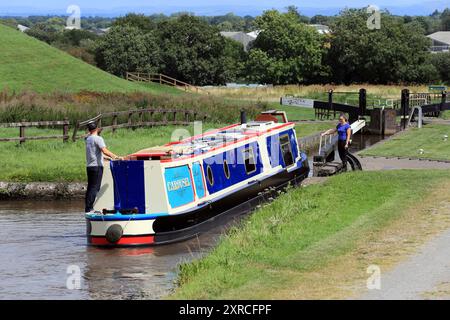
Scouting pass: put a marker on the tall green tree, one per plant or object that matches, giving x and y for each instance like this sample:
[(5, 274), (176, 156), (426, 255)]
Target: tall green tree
[(285, 51), (445, 20), (192, 51), (127, 48), (139, 21), (441, 62), (397, 52)]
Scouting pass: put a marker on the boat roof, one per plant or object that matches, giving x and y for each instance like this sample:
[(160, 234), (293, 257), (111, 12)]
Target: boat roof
[(211, 140)]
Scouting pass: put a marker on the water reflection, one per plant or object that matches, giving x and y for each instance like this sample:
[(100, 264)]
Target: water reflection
[(41, 240)]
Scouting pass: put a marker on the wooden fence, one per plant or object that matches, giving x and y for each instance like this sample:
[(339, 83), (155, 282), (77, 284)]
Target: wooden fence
[(139, 118), (36, 124), (163, 79)]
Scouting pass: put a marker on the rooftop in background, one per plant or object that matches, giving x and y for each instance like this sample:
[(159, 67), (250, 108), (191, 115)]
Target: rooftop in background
[(244, 38), (247, 38), (441, 36), (322, 29), (441, 41), (22, 28)]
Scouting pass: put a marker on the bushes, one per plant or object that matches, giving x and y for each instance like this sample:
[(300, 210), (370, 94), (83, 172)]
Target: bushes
[(441, 61)]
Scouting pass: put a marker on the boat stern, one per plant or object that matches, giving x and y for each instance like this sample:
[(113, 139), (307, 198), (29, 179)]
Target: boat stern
[(115, 230)]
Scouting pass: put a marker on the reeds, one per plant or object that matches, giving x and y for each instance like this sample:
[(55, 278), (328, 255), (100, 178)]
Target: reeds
[(86, 104), (312, 91)]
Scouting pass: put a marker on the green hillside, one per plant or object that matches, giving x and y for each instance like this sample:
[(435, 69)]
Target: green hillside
[(29, 64)]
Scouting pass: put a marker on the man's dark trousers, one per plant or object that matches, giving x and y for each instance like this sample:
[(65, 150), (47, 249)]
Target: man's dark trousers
[(94, 175)]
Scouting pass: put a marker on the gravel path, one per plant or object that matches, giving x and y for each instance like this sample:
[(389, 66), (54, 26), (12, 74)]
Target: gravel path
[(426, 275), (376, 164)]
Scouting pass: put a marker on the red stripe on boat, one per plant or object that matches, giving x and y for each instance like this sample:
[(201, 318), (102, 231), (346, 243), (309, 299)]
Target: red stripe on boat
[(124, 241)]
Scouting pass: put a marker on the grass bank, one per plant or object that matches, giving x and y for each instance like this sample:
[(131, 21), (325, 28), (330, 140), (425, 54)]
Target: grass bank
[(426, 143), (30, 64), (301, 232)]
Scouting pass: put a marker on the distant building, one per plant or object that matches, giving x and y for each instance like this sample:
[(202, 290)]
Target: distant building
[(101, 31), (244, 38), (22, 28), (254, 34), (441, 41), (247, 38), (322, 29)]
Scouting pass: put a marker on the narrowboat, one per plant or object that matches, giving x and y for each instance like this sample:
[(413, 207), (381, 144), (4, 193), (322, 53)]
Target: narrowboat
[(170, 193)]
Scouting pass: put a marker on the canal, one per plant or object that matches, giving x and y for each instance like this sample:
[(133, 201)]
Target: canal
[(43, 241), (44, 247)]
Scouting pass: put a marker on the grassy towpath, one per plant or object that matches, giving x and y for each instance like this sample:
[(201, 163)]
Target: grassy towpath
[(431, 142), (311, 241)]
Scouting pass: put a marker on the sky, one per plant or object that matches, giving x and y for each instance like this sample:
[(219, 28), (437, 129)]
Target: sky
[(241, 7)]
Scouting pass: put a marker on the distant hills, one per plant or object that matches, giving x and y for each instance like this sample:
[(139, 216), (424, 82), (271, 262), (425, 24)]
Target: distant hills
[(424, 8)]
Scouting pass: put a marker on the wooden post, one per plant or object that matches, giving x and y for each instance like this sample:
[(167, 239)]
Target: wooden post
[(151, 119), (99, 123), (174, 117), (66, 130), (75, 131), (141, 114), (405, 106), (114, 123), (330, 104), (164, 117), (130, 123), (362, 102), (22, 132), (443, 100), (186, 117)]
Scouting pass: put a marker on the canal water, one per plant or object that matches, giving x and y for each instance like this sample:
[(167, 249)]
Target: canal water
[(44, 255), (43, 250)]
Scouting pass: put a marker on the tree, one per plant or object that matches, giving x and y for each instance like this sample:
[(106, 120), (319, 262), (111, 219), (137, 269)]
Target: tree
[(74, 37), (285, 51), (192, 51), (445, 20), (441, 61), (320, 19), (294, 11), (126, 48), (42, 33), (234, 60), (139, 21), (397, 52)]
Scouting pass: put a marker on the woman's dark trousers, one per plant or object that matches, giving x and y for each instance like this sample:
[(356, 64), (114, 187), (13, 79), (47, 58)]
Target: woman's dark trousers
[(343, 152)]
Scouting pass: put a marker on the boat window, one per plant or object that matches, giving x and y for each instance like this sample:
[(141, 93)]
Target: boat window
[(286, 150), (210, 176), (249, 160), (197, 174), (226, 169)]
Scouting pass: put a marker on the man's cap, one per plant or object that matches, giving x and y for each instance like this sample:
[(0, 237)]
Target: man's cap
[(91, 126)]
